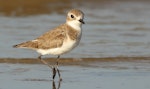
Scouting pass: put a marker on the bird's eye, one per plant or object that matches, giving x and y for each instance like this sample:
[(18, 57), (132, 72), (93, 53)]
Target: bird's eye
[(72, 16)]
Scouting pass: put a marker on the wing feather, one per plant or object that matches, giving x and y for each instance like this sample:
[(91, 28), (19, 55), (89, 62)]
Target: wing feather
[(51, 39)]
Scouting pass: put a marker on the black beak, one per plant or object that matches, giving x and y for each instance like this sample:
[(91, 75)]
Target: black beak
[(81, 20)]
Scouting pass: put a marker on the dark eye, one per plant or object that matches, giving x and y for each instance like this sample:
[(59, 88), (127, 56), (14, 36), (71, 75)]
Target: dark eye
[(72, 16)]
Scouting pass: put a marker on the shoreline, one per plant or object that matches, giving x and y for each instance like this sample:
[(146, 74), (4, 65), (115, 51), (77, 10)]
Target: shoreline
[(74, 61)]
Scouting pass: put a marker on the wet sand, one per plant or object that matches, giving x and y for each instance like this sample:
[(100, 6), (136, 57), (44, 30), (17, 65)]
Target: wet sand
[(126, 73), (74, 61)]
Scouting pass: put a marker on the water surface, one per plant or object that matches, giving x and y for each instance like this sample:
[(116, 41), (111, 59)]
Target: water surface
[(100, 75)]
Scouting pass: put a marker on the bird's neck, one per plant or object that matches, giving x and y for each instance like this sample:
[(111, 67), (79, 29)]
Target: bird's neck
[(75, 25)]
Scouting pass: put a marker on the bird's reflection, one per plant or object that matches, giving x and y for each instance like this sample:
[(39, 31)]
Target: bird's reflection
[(54, 85)]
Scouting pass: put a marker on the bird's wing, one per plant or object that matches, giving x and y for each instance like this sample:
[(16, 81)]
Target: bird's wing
[(51, 39)]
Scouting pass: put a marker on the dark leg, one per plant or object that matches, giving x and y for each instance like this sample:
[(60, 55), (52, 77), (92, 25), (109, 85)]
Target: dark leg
[(57, 63), (44, 62), (53, 68), (54, 73)]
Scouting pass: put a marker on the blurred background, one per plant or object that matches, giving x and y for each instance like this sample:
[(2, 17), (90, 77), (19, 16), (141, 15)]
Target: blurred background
[(114, 28)]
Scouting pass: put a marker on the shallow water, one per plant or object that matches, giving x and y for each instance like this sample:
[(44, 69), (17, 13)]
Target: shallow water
[(113, 29), (100, 75)]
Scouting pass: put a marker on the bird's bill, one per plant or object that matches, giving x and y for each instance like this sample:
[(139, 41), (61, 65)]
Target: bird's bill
[(81, 20)]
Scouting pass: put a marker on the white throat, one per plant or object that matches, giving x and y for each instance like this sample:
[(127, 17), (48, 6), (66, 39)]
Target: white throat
[(74, 24)]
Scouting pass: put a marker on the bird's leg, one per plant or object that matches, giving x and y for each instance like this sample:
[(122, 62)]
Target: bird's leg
[(53, 68), (44, 62), (57, 63), (54, 72)]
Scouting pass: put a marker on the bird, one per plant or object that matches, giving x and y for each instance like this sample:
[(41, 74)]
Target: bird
[(59, 40)]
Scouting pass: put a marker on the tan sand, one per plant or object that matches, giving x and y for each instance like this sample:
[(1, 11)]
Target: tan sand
[(73, 61)]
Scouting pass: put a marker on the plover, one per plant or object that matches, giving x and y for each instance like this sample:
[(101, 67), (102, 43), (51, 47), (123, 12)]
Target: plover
[(59, 40)]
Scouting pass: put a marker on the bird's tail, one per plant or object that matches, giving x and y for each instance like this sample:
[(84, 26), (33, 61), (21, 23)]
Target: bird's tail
[(28, 44)]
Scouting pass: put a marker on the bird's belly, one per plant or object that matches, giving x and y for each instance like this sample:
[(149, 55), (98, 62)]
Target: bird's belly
[(66, 47)]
